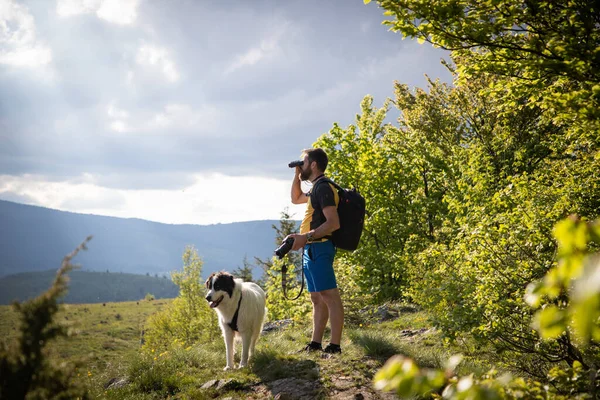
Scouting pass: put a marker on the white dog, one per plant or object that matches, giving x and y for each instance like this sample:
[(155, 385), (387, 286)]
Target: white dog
[(241, 309)]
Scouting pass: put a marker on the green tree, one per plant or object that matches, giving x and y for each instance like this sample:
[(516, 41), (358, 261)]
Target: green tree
[(402, 172), (510, 184), (461, 200), (573, 281), (25, 370), (549, 48), (245, 272), (188, 319)]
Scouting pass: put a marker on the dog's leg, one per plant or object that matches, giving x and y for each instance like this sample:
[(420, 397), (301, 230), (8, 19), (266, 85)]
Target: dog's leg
[(253, 344), (228, 335), (246, 341)]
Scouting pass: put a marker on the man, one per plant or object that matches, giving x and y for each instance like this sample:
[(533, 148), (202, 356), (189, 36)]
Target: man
[(320, 220)]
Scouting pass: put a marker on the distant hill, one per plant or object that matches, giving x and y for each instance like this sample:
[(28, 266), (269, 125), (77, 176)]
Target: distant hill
[(87, 286), (35, 239)]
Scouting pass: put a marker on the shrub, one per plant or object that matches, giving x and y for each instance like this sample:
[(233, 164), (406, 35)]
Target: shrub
[(277, 305), (25, 371), (567, 298), (188, 319)]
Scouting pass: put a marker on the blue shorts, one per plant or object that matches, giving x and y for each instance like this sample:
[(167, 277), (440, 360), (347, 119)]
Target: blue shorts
[(318, 266)]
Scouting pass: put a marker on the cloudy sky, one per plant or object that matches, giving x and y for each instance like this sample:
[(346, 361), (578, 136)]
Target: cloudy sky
[(184, 111)]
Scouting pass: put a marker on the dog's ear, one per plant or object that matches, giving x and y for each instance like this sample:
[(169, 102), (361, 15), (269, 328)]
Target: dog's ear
[(207, 283)]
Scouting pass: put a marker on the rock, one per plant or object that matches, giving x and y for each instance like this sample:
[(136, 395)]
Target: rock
[(116, 383), (350, 395), (225, 384), (413, 332), (342, 382), (220, 384), (293, 389), (210, 384), (276, 325), (385, 313)]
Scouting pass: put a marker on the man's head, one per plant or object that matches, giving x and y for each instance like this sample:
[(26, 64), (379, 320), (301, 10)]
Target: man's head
[(315, 163)]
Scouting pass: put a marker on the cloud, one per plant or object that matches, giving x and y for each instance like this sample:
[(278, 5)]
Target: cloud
[(154, 97), (68, 8), (121, 12), (207, 199), (184, 118), (157, 57), (19, 45), (269, 46)]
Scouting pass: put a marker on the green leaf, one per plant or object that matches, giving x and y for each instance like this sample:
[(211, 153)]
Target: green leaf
[(550, 322), (366, 1)]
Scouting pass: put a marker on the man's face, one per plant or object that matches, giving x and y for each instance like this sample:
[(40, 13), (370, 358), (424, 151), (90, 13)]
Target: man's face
[(305, 170)]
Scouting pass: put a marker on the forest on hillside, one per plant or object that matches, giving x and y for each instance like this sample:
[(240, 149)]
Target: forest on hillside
[(88, 286)]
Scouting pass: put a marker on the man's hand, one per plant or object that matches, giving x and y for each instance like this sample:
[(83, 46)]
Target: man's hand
[(299, 241), (297, 196)]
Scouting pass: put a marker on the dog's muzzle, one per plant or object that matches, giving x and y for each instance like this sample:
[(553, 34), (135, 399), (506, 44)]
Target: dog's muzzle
[(214, 303)]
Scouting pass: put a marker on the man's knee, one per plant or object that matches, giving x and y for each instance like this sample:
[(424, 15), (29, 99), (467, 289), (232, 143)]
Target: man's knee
[(331, 295), (316, 298)]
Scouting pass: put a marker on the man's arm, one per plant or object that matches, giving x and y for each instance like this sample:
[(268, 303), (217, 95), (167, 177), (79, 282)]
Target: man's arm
[(298, 197), (331, 224)]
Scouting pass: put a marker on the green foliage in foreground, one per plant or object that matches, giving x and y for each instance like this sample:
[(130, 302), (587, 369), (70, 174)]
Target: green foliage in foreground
[(25, 371), (569, 297)]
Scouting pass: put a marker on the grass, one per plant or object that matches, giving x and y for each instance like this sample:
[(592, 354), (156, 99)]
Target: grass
[(102, 336), (106, 346)]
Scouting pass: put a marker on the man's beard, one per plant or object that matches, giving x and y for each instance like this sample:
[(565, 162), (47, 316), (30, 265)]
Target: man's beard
[(305, 174)]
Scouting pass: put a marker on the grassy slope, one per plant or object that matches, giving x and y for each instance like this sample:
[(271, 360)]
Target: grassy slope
[(106, 346), (101, 335)]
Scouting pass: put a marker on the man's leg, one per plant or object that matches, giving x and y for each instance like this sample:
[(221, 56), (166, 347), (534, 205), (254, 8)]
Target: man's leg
[(320, 316), (333, 301)]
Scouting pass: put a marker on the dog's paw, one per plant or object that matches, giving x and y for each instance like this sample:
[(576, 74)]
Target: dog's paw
[(242, 366), (227, 368)]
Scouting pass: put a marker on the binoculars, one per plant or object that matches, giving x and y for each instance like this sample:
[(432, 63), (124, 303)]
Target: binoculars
[(295, 164), (285, 248)]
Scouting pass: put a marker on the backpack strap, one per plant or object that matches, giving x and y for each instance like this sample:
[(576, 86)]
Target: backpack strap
[(325, 179)]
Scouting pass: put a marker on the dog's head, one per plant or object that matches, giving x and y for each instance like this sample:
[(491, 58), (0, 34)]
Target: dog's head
[(219, 284)]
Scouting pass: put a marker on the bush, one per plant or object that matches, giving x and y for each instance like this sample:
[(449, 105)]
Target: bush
[(189, 319), (25, 371), (277, 305), (573, 280)]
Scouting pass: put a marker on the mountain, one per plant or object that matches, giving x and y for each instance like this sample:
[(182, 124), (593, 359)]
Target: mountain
[(87, 286), (36, 238)]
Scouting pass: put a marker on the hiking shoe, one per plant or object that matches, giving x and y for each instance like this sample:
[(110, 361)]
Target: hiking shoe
[(312, 346), (332, 349)]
